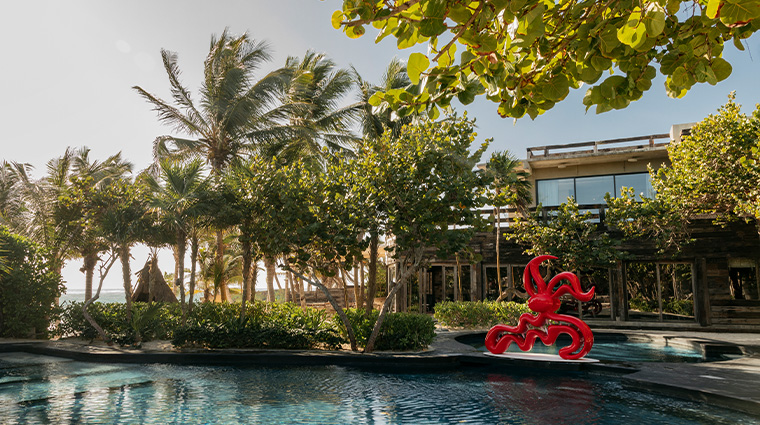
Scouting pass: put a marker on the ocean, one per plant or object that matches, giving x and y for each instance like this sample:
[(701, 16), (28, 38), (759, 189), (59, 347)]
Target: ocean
[(106, 296)]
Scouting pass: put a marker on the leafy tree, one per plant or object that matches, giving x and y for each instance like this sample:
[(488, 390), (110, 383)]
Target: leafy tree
[(706, 175), (374, 122), (427, 191), (29, 287), (713, 171), (527, 55), (121, 211), (569, 235)]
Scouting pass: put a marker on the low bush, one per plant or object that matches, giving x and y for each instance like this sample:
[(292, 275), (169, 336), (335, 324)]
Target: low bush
[(218, 325), (642, 304), (399, 332), (683, 307), (478, 314), (149, 321), (28, 288)]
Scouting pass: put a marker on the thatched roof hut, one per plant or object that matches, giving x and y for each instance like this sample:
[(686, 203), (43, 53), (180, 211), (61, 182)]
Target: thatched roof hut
[(151, 285)]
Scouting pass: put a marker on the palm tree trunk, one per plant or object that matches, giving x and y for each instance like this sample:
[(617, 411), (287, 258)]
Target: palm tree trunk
[(357, 291), (246, 245), (126, 275), (372, 275), (194, 260), (220, 262), (180, 266), (269, 265), (498, 260), (88, 267)]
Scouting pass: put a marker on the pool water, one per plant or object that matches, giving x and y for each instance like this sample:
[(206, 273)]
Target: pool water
[(610, 349), (39, 389)]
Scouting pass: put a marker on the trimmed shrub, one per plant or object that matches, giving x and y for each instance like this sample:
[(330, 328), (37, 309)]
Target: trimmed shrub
[(400, 331), (478, 314), (28, 288), (149, 321), (218, 325)]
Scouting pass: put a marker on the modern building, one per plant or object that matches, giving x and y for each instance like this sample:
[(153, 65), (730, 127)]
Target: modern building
[(714, 280)]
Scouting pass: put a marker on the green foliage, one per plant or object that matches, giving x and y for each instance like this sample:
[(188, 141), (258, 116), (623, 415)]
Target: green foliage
[(398, 332), (527, 55), (682, 307), (569, 235), (707, 175), (713, 171), (149, 321), (212, 325), (643, 304), (265, 326), (28, 288), (478, 314), (652, 218), (423, 184)]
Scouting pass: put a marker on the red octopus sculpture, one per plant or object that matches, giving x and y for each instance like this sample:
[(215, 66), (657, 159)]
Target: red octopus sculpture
[(545, 301)]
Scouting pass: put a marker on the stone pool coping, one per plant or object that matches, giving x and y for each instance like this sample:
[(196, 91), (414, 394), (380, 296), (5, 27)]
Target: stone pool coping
[(730, 383)]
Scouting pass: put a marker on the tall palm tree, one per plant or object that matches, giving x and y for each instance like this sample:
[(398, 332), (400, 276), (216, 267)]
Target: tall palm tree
[(509, 186), (374, 121), (316, 119), (176, 198), (236, 111)]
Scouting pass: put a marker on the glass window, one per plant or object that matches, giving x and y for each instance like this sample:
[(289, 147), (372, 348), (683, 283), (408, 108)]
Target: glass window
[(591, 190), (639, 182), (554, 192)]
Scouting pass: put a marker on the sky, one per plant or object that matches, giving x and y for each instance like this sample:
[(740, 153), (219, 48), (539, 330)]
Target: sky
[(68, 68)]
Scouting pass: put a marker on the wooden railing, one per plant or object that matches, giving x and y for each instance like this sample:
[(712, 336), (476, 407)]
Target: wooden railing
[(603, 146), (508, 215)]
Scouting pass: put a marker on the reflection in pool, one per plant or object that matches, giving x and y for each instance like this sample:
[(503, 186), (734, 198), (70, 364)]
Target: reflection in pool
[(38, 389)]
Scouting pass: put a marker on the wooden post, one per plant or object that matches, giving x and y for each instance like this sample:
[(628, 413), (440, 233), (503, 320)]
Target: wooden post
[(659, 289), (676, 292), (701, 292), (420, 292), (473, 283), (610, 277), (622, 292), (457, 293)]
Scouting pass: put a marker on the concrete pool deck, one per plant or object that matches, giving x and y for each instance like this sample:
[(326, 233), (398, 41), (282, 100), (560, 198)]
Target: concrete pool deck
[(730, 383)]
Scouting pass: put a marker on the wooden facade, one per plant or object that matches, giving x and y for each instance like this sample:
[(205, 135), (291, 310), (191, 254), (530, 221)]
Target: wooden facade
[(718, 273)]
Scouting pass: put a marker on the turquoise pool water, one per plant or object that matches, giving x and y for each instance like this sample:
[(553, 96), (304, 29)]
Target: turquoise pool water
[(39, 389), (611, 349)]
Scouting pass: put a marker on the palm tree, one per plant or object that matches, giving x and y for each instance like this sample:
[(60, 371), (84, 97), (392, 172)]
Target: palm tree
[(40, 215), (312, 99), (374, 121), (12, 206), (509, 187), (176, 199), (235, 112)]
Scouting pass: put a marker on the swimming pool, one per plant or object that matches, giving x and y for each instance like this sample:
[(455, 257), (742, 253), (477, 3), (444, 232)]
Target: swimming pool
[(40, 389), (619, 348)]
